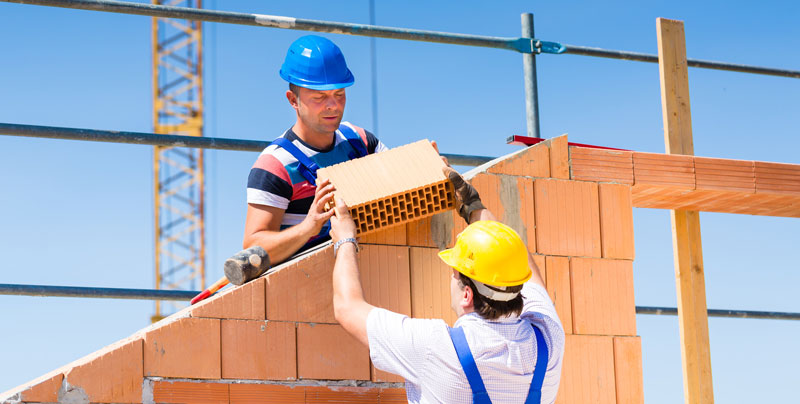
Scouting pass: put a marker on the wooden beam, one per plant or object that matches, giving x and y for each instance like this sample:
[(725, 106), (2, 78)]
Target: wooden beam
[(687, 247)]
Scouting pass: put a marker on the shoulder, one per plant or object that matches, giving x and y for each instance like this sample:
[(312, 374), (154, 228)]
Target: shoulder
[(373, 144), (385, 327)]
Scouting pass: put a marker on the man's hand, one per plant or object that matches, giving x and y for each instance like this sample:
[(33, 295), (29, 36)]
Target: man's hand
[(468, 199), (342, 224), (317, 216)]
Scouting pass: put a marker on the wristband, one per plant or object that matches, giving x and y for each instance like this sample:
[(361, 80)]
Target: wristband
[(342, 241)]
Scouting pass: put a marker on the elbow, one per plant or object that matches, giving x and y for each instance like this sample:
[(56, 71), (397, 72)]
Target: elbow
[(339, 309)]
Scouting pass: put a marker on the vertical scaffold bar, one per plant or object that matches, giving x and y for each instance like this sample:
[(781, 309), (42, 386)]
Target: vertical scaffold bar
[(531, 87)]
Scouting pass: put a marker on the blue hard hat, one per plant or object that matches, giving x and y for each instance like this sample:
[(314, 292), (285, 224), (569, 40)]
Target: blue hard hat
[(317, 63)]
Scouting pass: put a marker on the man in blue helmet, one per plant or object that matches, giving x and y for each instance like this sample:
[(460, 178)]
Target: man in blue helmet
[(285, 211)]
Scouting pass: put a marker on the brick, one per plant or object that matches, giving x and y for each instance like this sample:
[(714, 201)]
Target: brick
[(533, 161), (601, 165), (393, 187), (394, 235), (777, 177), (602, 296), (266, 394), (380, 376), (301, 290), (725, 174), (587, 373), (113, 376), (628, 370), (511, 200), (393, 396), (663, 169), (42, 389), (385, 277), (438, 231), (430, 285), (244, 302), (559, 157), (558, 287), (337, 394), (189, 392), (567, 218), (616, 221), (327, 351), (258, 350), (185, 348), (539, 261)]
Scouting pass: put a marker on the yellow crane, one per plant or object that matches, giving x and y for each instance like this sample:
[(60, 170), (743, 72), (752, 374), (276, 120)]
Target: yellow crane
[(178, 172)]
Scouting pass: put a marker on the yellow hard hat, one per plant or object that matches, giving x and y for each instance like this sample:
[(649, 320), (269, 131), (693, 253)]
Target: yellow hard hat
[(490, 252)]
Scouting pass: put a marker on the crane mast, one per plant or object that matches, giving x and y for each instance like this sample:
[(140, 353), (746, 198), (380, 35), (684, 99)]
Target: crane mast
[(178, 172)]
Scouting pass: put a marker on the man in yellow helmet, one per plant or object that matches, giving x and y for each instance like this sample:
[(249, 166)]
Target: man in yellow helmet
[(507, 344)]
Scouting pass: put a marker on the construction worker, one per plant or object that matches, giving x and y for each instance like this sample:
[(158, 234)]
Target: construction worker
[(507, 344), (285, 204)]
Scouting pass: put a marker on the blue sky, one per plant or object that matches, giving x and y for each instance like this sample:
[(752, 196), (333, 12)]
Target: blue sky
[(76, 213)]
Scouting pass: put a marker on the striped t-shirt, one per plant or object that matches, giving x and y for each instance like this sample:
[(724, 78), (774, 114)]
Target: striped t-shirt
[(276, 181)]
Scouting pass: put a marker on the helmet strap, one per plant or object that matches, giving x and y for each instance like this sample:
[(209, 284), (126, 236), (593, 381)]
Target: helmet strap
[(492, 294)]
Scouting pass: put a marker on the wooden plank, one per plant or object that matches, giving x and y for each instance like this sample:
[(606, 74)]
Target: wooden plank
[(687, 247)]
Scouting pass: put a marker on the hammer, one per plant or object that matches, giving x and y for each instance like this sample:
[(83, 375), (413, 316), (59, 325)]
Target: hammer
[(246, 265), (243, 267)]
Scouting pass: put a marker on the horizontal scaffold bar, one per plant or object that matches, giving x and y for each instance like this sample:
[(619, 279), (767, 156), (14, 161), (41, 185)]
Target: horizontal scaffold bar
[(523, 45), (770, 315), (154, 294), (106, 293), (154, 139)]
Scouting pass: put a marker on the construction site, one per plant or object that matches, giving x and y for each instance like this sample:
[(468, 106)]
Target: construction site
[(127, 131)]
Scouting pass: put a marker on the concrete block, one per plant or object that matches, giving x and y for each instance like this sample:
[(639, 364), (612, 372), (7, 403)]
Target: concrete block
[(186, 348), (327, 351), (567, 218), (244, 302), (602, 297), (394, 187)]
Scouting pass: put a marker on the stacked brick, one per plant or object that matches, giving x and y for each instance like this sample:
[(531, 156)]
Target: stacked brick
[(694, 183), (276, 340), (581, 232)]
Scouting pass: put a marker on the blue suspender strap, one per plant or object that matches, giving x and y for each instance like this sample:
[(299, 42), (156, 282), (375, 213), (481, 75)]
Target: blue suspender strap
[(479, 395), (308, 169), (535, 392), (354, 140)]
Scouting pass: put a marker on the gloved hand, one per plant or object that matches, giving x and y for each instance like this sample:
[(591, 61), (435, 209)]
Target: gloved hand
[(466, 195)]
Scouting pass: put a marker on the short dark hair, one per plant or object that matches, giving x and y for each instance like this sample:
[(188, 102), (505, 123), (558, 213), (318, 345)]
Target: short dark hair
[(294, 89), (492, 309)]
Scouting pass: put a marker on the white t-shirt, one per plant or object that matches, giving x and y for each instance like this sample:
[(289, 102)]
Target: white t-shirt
[(421, 351)]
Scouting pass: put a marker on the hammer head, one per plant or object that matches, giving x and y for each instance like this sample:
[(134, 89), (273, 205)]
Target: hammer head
[(246, 265)]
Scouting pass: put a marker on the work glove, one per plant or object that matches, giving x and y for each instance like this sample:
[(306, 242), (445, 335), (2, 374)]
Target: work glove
[(466, 195)]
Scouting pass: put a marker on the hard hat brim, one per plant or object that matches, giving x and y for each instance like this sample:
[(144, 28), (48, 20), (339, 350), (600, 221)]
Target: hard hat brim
[(448, 256), (319, 87)]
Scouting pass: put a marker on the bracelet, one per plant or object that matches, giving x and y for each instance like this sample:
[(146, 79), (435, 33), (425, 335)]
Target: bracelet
[(342, 241)]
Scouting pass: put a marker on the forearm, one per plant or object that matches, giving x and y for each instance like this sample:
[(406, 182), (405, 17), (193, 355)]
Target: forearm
[(279, 245), (349, 306), (481, 214)]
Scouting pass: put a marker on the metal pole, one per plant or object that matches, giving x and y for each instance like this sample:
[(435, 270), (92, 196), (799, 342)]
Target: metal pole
[(523, 45), (531, 87), (770, 315), (703, 64), (108, 293), (93, 135), (274, 21)]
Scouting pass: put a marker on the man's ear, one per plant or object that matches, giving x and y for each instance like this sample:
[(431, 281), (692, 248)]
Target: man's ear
[(292, 99), (466, 300)]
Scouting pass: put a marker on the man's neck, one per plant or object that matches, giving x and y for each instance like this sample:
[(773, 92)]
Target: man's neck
[(317, 140)]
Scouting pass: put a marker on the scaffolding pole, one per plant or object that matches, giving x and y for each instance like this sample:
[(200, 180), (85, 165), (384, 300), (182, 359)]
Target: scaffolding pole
[(153, 139), (522, 45)]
